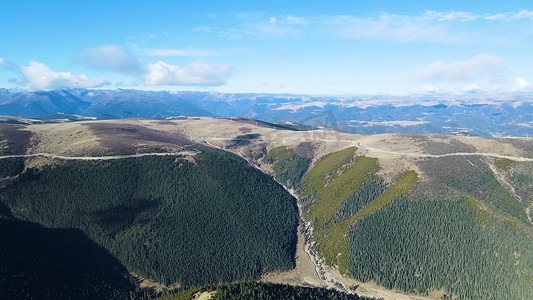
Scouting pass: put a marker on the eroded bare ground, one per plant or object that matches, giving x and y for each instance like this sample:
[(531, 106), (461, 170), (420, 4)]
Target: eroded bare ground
[(148, 283), (370, 289), (204, 295)]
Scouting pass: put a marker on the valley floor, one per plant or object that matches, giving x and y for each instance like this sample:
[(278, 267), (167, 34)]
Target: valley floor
[(305, 274)]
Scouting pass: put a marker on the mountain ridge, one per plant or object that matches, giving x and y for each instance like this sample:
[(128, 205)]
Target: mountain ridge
[(506, 116)]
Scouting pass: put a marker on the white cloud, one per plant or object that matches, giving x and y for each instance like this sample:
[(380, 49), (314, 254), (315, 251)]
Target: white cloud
[(515, 86), (430, 89), (198, 72), (520, 85), (38, 76), (428, 26), (431, 26), (111, 58), (471, 88), (495, 17), (189, 52), (398, 28), (480, 66), (461, 16), (272, 29), (523, 14), (295, 20), (288, 19), (4, 64), (273, 26)]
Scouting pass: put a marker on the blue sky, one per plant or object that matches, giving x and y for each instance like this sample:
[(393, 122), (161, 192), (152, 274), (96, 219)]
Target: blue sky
[(305, 47)]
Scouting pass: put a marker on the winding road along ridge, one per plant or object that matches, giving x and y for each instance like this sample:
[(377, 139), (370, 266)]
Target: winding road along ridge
[(195, 152), (515, 158), (49, 155), (370, 149)]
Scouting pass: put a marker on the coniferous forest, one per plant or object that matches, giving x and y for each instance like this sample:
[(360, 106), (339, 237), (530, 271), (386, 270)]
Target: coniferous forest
[(260, 291), (11, 166), (44, 263), (288, 167), (192, 222), (429, 245)]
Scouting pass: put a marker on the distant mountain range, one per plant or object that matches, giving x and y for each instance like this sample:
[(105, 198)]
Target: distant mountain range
[(512, 116)]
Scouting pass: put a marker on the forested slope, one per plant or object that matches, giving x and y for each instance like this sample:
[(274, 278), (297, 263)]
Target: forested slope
[(259, 291), (457, 232), (338, 190), (43, 263), (472, 176), (191, 221), (288, 167), (423, 246)]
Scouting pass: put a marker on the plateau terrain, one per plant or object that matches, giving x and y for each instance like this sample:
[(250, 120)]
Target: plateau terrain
[(189, 202)]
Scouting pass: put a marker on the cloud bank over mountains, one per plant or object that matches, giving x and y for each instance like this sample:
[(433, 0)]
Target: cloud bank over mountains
[(114, 58), (483, 72), (198, 72), (480, 65), (38, 76)]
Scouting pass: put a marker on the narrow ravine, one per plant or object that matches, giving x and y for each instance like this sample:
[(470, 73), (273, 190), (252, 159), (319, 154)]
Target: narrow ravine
[(320, 268), (310, 250)]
